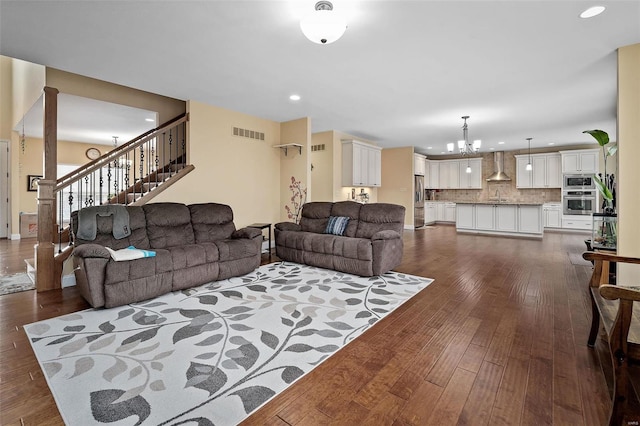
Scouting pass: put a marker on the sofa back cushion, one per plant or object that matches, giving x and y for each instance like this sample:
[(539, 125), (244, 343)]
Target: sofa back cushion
[(315, 216), (349, 209), (380, 217), (211, 222), (168, 225), (104, 231)]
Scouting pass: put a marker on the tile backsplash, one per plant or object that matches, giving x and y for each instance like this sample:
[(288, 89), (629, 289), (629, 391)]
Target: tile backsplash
[(507, 190)]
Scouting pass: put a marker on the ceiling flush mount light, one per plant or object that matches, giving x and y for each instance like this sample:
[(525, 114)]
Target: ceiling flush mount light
[(529, 166), (592, 11), (323, 26), (464, 146), (150, 120), (294, 97)]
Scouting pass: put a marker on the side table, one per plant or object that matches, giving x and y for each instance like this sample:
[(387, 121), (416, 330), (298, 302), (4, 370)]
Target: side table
[(263, 226)]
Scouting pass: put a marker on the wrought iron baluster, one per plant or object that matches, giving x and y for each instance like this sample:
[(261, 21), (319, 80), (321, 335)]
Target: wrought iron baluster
[(184, 145), (115, 181), (109, 183), (126, 179), (60, 220), (101, 183), (93, 188), (170, 147)]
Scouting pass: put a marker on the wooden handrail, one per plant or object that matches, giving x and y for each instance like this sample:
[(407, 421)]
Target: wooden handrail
[(117, 152)]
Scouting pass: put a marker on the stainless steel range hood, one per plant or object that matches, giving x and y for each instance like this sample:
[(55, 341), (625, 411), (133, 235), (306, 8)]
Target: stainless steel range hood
[(498, 168)]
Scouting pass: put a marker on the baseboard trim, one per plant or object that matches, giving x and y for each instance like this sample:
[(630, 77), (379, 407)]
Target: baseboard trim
[(68, 280)]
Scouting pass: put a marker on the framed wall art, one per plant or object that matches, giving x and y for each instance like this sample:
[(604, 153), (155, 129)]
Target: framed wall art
[(32, 182)]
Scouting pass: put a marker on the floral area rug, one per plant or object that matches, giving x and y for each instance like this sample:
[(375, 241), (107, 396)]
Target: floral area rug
[(210, 355), (15, 283)]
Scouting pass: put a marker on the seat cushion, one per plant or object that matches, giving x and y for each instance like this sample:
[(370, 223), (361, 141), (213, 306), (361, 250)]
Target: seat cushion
[(353, 248), (193, 255), (139, 268)]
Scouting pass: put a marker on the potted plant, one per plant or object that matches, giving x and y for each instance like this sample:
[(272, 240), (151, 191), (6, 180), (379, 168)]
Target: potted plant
[(606, 183), (604, 231)]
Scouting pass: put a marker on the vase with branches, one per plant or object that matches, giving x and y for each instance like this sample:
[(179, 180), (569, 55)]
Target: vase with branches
[(298, 198)]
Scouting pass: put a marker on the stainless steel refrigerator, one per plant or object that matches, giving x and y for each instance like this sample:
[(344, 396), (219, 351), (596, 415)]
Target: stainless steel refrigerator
[(418, 202)]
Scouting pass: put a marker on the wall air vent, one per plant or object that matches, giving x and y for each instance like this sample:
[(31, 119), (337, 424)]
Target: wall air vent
[(319, 147), (246, 133)]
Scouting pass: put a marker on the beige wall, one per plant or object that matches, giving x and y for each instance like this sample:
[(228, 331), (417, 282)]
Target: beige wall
[(628, 159), (6, 97), (294, 165), (30, 163), (322, 174), (28, 80), (74, 84), (241, 172), (397, 179)]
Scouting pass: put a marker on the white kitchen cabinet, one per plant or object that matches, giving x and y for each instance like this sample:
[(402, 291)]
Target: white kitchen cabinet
[(506, 218), (440, 212), (449, 212), (485, 214), (361, 164), (418, 164), (430, 213), (449, 174), (576, 222), (375, 167), (529, 219), (500, 219), (545, 171), (580, 161), (434, 175), (552, 215), (471, 180), (554, 171), (465, 216)]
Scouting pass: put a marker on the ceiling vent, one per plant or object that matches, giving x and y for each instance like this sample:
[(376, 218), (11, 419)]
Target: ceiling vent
[(498, 168), (246, 133)]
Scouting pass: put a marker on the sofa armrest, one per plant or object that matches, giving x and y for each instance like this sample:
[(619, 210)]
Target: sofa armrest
[(91, 250), (385, 235), (249, 233), (287, 226)]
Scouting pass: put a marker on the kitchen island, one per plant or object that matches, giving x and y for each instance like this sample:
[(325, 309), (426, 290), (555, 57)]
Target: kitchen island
[(500, 218)]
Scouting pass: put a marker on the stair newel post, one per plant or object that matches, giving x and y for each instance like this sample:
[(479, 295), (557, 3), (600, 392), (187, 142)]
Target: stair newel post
[(45, 249)]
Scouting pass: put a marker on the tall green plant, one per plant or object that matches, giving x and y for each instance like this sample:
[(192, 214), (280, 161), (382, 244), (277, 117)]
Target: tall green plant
[(602, 138)]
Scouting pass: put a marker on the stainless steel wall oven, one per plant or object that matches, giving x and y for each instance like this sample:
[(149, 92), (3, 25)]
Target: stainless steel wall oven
[(579, 202)]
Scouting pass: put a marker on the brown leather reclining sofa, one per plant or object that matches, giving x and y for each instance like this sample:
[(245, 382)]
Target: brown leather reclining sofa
[(371, 244), (194, 244)]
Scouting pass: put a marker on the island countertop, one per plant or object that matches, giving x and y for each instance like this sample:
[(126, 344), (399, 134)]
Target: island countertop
[(500, 203)]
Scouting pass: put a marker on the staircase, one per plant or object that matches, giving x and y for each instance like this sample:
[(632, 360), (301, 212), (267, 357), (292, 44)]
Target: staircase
[(131, 174)]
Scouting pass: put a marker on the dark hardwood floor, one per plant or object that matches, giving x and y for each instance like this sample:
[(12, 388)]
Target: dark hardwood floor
[(498, 339)]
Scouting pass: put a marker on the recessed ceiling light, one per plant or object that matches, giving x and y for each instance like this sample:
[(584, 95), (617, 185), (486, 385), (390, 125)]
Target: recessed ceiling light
[(492, 149), (441, 152), (429, 147), (150, 120), (294, 97), (500, 143), (552, 143), (592, 11)]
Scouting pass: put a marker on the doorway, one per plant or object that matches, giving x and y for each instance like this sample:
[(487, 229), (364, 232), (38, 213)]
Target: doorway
[(4, 188)]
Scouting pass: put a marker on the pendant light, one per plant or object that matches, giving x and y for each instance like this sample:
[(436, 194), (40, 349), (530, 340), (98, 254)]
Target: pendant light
[(529, 166), (323, 26)]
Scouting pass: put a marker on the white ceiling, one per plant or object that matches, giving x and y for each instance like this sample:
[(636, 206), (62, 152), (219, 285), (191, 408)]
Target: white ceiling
[(90, 121), (403, 73)]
